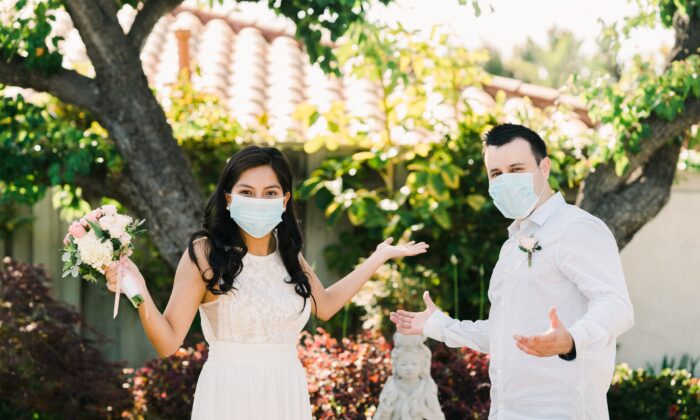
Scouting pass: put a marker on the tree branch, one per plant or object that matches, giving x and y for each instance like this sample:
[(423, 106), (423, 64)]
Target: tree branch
[(147, 18), (66, 85), (626, 204), (630, 208), (605, 181)]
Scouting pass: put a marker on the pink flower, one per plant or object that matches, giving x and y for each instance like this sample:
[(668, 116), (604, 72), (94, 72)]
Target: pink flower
[(77, 230), (94, 215), (66, 240)]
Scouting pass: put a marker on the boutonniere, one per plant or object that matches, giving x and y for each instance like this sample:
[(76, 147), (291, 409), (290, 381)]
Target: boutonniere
[(529, 245)]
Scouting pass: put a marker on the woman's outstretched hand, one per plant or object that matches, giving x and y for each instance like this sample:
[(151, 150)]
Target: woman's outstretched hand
[(389, 251)]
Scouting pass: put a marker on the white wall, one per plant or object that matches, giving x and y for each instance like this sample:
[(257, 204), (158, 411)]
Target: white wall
[(662, 267)]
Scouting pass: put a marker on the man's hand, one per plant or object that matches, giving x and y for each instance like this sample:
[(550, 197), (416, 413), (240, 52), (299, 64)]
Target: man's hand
[(553, 342), (411, 323)]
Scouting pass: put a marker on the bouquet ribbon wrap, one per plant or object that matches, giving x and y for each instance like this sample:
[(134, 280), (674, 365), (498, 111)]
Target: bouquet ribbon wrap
[(130, 286)]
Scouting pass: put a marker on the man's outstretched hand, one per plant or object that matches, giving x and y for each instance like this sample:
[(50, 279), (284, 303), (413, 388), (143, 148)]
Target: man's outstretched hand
[(553, 342), (411, 323)]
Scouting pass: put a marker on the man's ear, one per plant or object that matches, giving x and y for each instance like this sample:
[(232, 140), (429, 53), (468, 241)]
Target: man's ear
[(546, 166)]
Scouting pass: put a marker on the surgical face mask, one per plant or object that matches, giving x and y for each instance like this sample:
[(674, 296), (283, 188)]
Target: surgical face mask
[(514, 195), (256, 216)]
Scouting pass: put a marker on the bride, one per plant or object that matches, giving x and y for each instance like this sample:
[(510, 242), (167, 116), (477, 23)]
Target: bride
[(245, 274)]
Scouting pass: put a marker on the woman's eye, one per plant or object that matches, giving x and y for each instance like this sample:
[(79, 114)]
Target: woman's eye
[(244, 193)]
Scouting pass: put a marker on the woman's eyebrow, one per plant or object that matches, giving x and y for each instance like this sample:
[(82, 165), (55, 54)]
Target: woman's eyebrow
[(266, 188)]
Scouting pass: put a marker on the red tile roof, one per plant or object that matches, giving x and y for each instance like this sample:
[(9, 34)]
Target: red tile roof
[(250, 59)]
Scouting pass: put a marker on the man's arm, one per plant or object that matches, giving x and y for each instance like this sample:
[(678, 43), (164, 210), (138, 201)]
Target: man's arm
[(433, 323), (456, 333), (589, 257)]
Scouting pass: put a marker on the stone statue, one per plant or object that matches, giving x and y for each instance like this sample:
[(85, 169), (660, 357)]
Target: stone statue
[(409, 393)]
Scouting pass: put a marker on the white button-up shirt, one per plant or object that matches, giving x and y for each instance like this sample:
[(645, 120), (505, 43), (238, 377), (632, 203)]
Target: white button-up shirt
[(578, 270)]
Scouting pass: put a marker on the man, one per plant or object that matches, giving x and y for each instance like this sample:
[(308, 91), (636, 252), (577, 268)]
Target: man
[(558, 295)]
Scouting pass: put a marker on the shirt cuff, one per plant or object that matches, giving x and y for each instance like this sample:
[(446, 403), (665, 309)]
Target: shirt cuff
[(435, 325), (581, 339)]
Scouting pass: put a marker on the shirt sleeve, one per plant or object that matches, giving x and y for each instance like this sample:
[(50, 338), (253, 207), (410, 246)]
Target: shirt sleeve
[(455, 333), (588, 256)]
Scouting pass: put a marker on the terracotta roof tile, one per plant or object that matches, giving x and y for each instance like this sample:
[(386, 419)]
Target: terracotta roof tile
[(248, 57)]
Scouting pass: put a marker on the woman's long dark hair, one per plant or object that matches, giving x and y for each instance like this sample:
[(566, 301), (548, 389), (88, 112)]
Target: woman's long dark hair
[(226, 245)]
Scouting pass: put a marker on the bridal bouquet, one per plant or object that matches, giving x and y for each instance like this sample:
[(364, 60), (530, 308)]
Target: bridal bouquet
[(99, 238)]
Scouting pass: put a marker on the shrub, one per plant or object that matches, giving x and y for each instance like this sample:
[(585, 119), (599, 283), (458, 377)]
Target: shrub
[(47, 370), (164, 387), (462, 377), (637, 394), (345, 377)]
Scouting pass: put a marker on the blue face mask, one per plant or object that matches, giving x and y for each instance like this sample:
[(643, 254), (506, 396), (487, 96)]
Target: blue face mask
[(256, 216), (514, 195)]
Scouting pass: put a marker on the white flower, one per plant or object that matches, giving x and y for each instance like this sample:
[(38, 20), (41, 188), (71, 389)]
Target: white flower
[(94, 252), (528, 243), (115, 225), (109, 210), (125, 239), (106, 222)]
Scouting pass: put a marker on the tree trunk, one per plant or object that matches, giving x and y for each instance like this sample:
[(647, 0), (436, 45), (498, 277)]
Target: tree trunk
[(157, 182)]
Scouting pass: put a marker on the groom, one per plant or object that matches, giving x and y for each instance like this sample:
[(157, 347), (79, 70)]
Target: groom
[(558, 295)]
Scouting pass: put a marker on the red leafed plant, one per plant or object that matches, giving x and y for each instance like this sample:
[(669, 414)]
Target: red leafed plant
[(345, 377), (164, 387)]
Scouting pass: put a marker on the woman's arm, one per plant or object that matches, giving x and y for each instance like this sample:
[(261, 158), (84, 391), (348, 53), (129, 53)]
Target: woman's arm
[(329, 301), (167, 331)]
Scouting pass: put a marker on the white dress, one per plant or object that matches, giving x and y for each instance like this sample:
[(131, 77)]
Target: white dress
[(253, 371)]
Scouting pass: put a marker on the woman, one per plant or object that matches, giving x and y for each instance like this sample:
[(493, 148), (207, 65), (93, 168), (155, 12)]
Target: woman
[(254, 290)]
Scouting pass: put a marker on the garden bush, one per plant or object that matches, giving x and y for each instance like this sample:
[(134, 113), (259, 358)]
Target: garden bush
[(47, 369), (639, 394), (164, 387)]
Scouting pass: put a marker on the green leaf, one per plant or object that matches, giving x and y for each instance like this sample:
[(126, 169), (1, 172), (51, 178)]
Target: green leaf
[(98, 232), (442, 217), (476, 201)]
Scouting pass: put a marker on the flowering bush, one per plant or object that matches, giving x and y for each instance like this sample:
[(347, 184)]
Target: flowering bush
[(345, 377), (164, 387), (47, 370), (638, 394)]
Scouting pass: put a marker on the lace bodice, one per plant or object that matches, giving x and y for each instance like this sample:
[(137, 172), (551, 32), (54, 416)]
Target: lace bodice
[(263, 309)]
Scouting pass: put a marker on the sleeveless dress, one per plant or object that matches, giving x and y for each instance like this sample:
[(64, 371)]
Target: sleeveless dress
[(253, 371)]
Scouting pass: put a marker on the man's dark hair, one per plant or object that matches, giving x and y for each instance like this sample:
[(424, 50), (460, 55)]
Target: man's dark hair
[(505, 133)]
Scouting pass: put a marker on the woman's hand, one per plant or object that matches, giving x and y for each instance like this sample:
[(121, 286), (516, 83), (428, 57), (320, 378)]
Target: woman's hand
[(111, 272), (389, 251)]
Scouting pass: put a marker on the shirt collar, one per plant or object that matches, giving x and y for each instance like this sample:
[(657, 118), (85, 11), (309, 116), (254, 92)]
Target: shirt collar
[(541, 214)]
